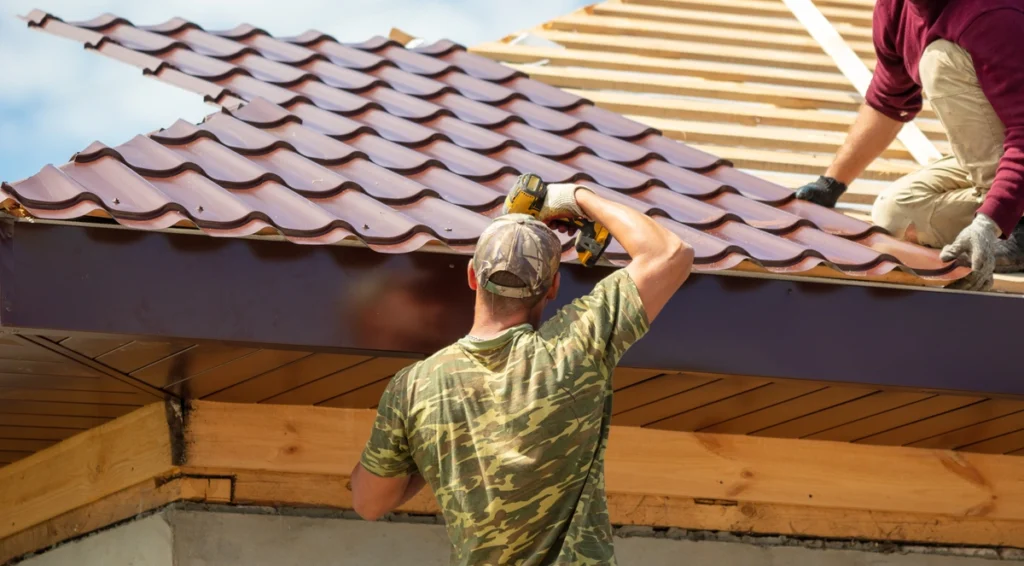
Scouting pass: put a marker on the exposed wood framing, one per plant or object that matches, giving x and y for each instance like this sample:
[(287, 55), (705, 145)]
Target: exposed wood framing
[(283, 455), (124, 504), (710, 30), (843, 14), (848, 59), (747, 114), (710, 67), (647, 64), (93, 465), (780, 96)]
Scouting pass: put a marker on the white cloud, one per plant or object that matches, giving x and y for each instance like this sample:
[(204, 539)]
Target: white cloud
[(56, 98)]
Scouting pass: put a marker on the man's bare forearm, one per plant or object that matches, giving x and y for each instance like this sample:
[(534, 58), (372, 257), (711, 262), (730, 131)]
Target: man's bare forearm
[(416, 483), (869, 136), (373, 496), (638, 233), (661, 262)]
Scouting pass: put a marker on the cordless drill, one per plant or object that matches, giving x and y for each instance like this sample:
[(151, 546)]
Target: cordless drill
[(527, 197)]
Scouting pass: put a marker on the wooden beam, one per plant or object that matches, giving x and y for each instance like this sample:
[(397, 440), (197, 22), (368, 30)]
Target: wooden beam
[(401, 36), (733, 21), (759, 137), (823, 475), (85, 468), (1009, 283), (613, 80), (301, 456), (675, 49), (859, 17), (789, 162), (125, 504), (848, 59), (711, 33), (726, 111), (691, 16), (644, 64), (313, 490)]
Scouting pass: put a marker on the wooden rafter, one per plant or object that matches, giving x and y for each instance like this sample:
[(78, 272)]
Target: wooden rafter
[(301, 456)]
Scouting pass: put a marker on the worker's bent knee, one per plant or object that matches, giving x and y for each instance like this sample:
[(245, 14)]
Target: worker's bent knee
[(895, 210)]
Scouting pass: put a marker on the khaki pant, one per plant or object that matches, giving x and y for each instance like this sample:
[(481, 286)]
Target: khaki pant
[(934, 204)]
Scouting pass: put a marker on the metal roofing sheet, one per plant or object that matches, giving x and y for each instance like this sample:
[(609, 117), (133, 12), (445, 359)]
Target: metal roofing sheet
[(322, 141)]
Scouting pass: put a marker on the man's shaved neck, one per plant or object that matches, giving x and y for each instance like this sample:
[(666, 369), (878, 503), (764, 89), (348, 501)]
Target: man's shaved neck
[(488, 324)]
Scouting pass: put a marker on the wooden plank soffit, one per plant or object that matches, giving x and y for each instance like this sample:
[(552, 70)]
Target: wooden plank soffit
[(301, 456)]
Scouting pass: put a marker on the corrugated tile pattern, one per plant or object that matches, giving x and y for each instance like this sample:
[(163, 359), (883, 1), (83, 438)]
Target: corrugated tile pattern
[(321, 141)]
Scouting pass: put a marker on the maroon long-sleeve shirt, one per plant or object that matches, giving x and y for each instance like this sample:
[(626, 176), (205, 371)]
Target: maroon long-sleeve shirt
[(992, 31)]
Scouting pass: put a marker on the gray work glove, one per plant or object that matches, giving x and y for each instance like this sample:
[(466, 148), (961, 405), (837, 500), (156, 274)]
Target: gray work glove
[(975, 246), (560, 204), (824, 191)]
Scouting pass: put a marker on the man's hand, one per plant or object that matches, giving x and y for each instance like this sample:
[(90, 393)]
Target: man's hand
[(824, 191), (560, 203), (975, 245)]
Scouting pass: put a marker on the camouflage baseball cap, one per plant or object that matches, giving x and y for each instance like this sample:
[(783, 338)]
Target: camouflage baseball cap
[(520, 245)]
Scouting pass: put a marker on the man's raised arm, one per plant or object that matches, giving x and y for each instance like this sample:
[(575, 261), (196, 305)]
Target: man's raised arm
[(661, 262)]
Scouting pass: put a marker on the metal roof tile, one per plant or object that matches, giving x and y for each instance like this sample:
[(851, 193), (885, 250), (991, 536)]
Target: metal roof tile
[(544, 118), (541, 142), (682, 180), (201, 66), (414, 62), (474, 65), (327, 97), (277, 50), (687, 157), (170, 26), (343, 55), (478, 89), (411, 84), (611, 123), (403, 105), (341, 77), (544, 94), (610, 148), (208, 44), (402, 147), (471, 136)]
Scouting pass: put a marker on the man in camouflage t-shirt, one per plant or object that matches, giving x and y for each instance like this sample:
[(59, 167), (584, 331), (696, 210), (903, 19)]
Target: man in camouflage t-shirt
[(509, 425)]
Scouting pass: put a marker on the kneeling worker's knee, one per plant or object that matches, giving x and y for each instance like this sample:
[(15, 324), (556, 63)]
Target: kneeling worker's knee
[(889, 213)]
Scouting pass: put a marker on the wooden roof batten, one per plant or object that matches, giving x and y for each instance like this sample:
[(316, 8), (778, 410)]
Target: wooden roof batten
[(301, 456), (743, 79)]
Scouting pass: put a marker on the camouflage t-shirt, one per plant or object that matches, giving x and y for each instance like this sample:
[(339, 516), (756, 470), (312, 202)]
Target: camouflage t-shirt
[(510, 432)]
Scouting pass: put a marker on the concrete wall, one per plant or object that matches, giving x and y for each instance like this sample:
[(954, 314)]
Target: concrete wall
[(226, 537), (146, 542)]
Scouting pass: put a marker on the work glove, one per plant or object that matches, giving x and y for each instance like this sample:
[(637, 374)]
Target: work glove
[(824, 191), (560, 203), (976, 246)]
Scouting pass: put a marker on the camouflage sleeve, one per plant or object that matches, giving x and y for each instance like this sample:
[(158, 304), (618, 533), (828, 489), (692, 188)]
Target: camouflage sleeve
[(604, 323), (387, 453)]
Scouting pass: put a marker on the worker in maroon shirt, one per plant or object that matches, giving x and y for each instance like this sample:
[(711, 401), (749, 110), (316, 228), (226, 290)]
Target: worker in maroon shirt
[(967, 57)]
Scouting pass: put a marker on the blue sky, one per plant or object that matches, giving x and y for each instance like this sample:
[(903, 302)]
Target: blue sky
[(56, 98)]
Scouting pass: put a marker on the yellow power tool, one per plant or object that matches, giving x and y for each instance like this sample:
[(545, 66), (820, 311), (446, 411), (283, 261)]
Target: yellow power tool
[(527, 197)]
